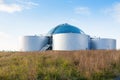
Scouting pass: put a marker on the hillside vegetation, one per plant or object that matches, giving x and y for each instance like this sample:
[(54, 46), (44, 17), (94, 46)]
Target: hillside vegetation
[(60, 65)]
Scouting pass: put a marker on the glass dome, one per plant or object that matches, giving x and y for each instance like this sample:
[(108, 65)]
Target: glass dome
[(65, 28)]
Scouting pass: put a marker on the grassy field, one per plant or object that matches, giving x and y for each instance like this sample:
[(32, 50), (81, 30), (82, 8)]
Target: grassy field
[(60, 65)]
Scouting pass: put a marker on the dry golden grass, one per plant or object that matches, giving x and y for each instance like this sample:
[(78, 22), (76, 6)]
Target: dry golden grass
[(60, 65)]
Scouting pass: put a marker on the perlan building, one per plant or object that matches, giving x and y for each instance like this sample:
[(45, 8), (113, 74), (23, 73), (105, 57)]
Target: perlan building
[(67, 38)]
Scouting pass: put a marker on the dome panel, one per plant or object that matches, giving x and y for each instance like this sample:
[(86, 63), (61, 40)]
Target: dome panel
[(65, 28)]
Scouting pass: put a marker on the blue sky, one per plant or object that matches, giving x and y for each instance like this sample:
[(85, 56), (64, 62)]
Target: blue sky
[(99, 18)]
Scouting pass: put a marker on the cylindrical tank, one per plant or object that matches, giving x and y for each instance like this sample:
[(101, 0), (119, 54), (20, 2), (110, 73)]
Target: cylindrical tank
[(33, 43), (70, 41), (103, 44)]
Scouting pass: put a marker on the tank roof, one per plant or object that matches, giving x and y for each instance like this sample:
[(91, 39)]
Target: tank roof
[(65, 28)]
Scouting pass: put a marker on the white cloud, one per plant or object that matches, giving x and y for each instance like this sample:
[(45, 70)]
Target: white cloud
[(82, 10), (27, 4), (8, 42), (10, 8), (114, 11), (30, 5), (1, 1), (4, 35), (17, 6)]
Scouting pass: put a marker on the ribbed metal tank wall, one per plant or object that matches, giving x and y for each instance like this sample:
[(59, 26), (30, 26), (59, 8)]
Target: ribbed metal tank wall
[(33, 43), (70, 41), (103, 44)]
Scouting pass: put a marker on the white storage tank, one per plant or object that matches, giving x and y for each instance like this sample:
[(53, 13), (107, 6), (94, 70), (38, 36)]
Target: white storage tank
[(70, 41), (103, 44), (33, 43)]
